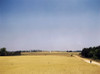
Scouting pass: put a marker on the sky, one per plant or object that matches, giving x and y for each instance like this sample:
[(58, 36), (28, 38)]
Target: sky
[(49, 24)]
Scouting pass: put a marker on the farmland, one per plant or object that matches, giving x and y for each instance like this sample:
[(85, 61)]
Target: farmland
[(46, 63)]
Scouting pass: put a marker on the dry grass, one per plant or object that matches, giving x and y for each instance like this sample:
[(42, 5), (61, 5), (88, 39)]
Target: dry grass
[(50, 53), (46, 64)]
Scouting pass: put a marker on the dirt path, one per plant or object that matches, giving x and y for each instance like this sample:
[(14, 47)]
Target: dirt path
[(88, 61)]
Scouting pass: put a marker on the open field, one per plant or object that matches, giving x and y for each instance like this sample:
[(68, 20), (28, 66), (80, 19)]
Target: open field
[(46, 64), (50, 53)]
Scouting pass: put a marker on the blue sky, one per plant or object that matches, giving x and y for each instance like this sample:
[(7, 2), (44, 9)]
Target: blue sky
[(49, 24)]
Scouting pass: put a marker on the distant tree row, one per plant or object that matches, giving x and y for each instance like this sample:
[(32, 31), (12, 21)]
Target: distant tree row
[(31, 51), (4, 52), (91, 52), (73, 51), (69, 51)]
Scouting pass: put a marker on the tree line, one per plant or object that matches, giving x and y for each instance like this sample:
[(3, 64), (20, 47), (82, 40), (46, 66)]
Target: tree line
[(4, 52), (31, 50), (91, 52)]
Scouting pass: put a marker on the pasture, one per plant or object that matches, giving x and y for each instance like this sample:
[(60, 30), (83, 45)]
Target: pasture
[(46, 63)]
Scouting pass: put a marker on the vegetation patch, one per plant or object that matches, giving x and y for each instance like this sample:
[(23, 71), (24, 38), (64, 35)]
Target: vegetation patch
[(91, 52), (4, 52)]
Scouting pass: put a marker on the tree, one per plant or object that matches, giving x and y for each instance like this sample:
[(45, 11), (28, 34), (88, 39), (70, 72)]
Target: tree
[(97, 53), (3, 52), (85, 52), (92, 52)]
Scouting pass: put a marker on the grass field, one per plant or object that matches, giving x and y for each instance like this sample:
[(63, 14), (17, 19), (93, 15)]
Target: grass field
[(46, 64), (50, 53)]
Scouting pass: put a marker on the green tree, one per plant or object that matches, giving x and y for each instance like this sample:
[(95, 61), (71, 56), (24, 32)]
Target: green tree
[(3, 52)]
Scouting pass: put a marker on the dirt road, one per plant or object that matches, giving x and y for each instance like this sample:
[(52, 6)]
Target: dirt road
[(88, 61)]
